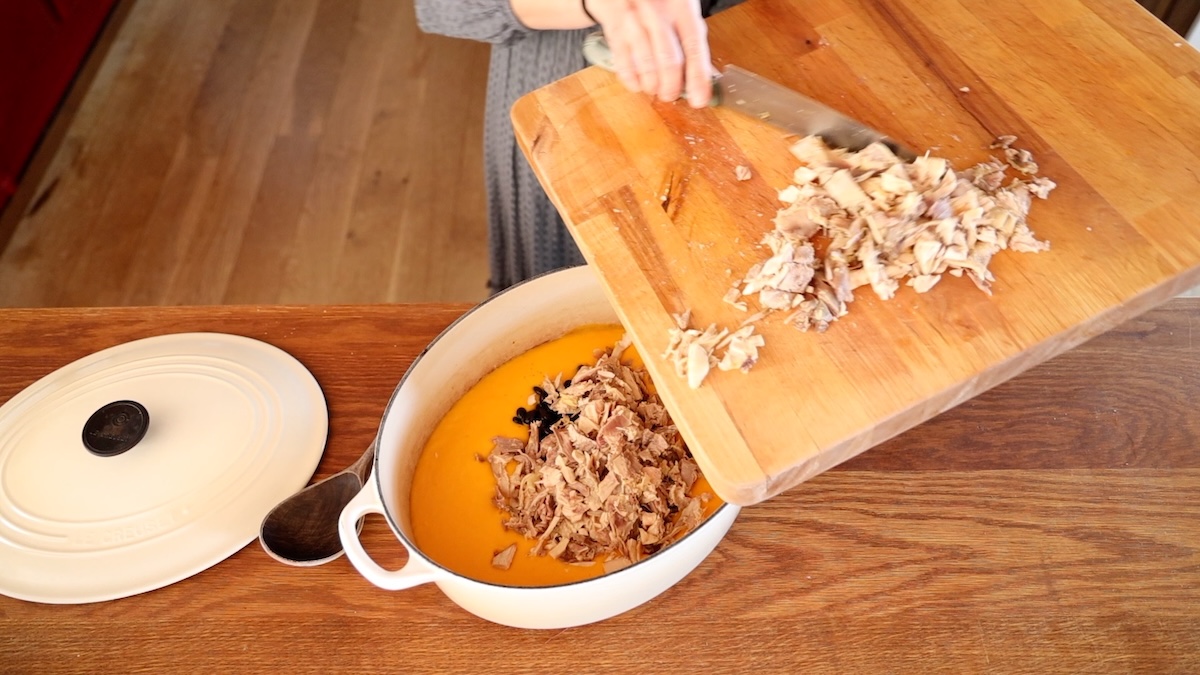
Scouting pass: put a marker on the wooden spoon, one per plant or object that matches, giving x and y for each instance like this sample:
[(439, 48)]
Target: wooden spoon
[(302, 530)]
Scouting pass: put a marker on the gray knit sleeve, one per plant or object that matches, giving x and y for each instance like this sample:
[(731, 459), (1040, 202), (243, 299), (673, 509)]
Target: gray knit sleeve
[(483, 20)]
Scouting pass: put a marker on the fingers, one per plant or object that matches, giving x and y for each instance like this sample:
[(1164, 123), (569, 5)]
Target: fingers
[(633, 57), (614, 19), (693, 39), (666, 53), (622, 54), (660, 47), (641, 52)]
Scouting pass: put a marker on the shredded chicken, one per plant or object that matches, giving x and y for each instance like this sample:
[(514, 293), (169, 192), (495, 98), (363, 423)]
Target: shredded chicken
[(894, 222), (611, 478), (695, 353), (869, 219)]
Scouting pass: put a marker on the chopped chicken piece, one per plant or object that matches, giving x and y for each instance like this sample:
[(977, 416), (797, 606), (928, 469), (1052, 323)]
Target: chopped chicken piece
[(845, 191), (797, 220), (927, 171), (987, 176), (1021, 160), (788, 270), (742, 172), (927, 252), (504, 559), (754, 318), (883, 222), (682, 351), (895, 181), (733, 297), (804, 175), (682, 320), (789, 195), (697, 364), (812, 151), (1004, 141), (923, 283), (741, 350), (1023, 241), (695, 354), (874, 157), (1041, 186), (617, 563)]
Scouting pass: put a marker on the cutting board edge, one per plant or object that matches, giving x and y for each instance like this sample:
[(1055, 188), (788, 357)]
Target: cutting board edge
[(743, 480), (529, 120), (995, 375), (742, 484)]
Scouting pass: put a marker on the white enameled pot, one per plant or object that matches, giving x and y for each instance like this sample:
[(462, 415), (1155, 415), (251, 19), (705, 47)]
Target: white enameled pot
[(506, 325)]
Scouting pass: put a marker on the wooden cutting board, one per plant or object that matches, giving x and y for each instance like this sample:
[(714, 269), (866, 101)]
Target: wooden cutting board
[(1106, 97)]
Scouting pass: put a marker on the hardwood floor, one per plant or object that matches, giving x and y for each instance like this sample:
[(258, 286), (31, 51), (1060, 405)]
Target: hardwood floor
[(262, 151), (259, 151)]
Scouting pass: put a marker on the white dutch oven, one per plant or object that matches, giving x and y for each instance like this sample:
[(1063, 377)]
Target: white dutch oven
[(499, 329)]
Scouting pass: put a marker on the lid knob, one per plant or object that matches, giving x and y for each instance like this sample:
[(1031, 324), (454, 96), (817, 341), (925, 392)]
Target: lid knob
[(115, 428)]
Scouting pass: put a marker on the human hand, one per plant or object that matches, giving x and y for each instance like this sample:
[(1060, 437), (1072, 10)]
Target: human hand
[(659, 47)]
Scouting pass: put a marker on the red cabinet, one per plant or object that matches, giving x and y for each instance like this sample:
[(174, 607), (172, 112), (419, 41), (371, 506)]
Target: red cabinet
[(43, 44)]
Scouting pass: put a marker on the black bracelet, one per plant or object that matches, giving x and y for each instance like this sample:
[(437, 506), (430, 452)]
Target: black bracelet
[(583, 4)]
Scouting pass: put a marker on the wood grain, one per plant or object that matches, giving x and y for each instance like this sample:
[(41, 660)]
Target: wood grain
[(1051, 418), (1050, 525), (261, 151), (1099, 93)]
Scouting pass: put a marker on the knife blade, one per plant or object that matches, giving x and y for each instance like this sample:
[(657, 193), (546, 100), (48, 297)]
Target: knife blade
[(756, 96), (749, 94)]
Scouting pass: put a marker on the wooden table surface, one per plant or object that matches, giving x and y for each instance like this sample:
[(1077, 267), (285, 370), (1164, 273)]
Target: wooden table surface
[(1050, 525), (1096, 89)]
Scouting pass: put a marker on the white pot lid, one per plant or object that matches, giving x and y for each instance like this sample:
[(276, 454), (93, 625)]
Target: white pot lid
[(235, 426)]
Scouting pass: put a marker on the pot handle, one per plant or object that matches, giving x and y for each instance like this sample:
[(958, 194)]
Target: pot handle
[(415, 572)]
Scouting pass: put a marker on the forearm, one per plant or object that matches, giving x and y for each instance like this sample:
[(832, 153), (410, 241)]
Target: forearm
[(492, 21), (551, 14)]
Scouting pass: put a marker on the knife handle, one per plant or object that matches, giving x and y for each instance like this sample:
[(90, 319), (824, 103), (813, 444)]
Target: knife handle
[(597, 53)]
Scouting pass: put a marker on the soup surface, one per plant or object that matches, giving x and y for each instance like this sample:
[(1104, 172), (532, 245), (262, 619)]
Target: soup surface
[(454, 518)]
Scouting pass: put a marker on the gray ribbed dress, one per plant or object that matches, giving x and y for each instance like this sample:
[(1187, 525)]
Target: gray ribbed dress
[(526, 234)]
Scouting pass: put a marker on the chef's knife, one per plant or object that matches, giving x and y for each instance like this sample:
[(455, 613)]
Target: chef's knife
[(750, 94), (741, 90)]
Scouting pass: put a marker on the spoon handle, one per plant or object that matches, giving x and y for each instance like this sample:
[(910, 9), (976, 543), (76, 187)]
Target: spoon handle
[(362, 467)]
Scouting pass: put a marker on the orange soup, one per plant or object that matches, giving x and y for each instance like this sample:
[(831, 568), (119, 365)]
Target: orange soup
[(454, 518)]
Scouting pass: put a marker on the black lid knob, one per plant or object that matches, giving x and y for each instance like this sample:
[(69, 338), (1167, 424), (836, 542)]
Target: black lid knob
[(115, 428)]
